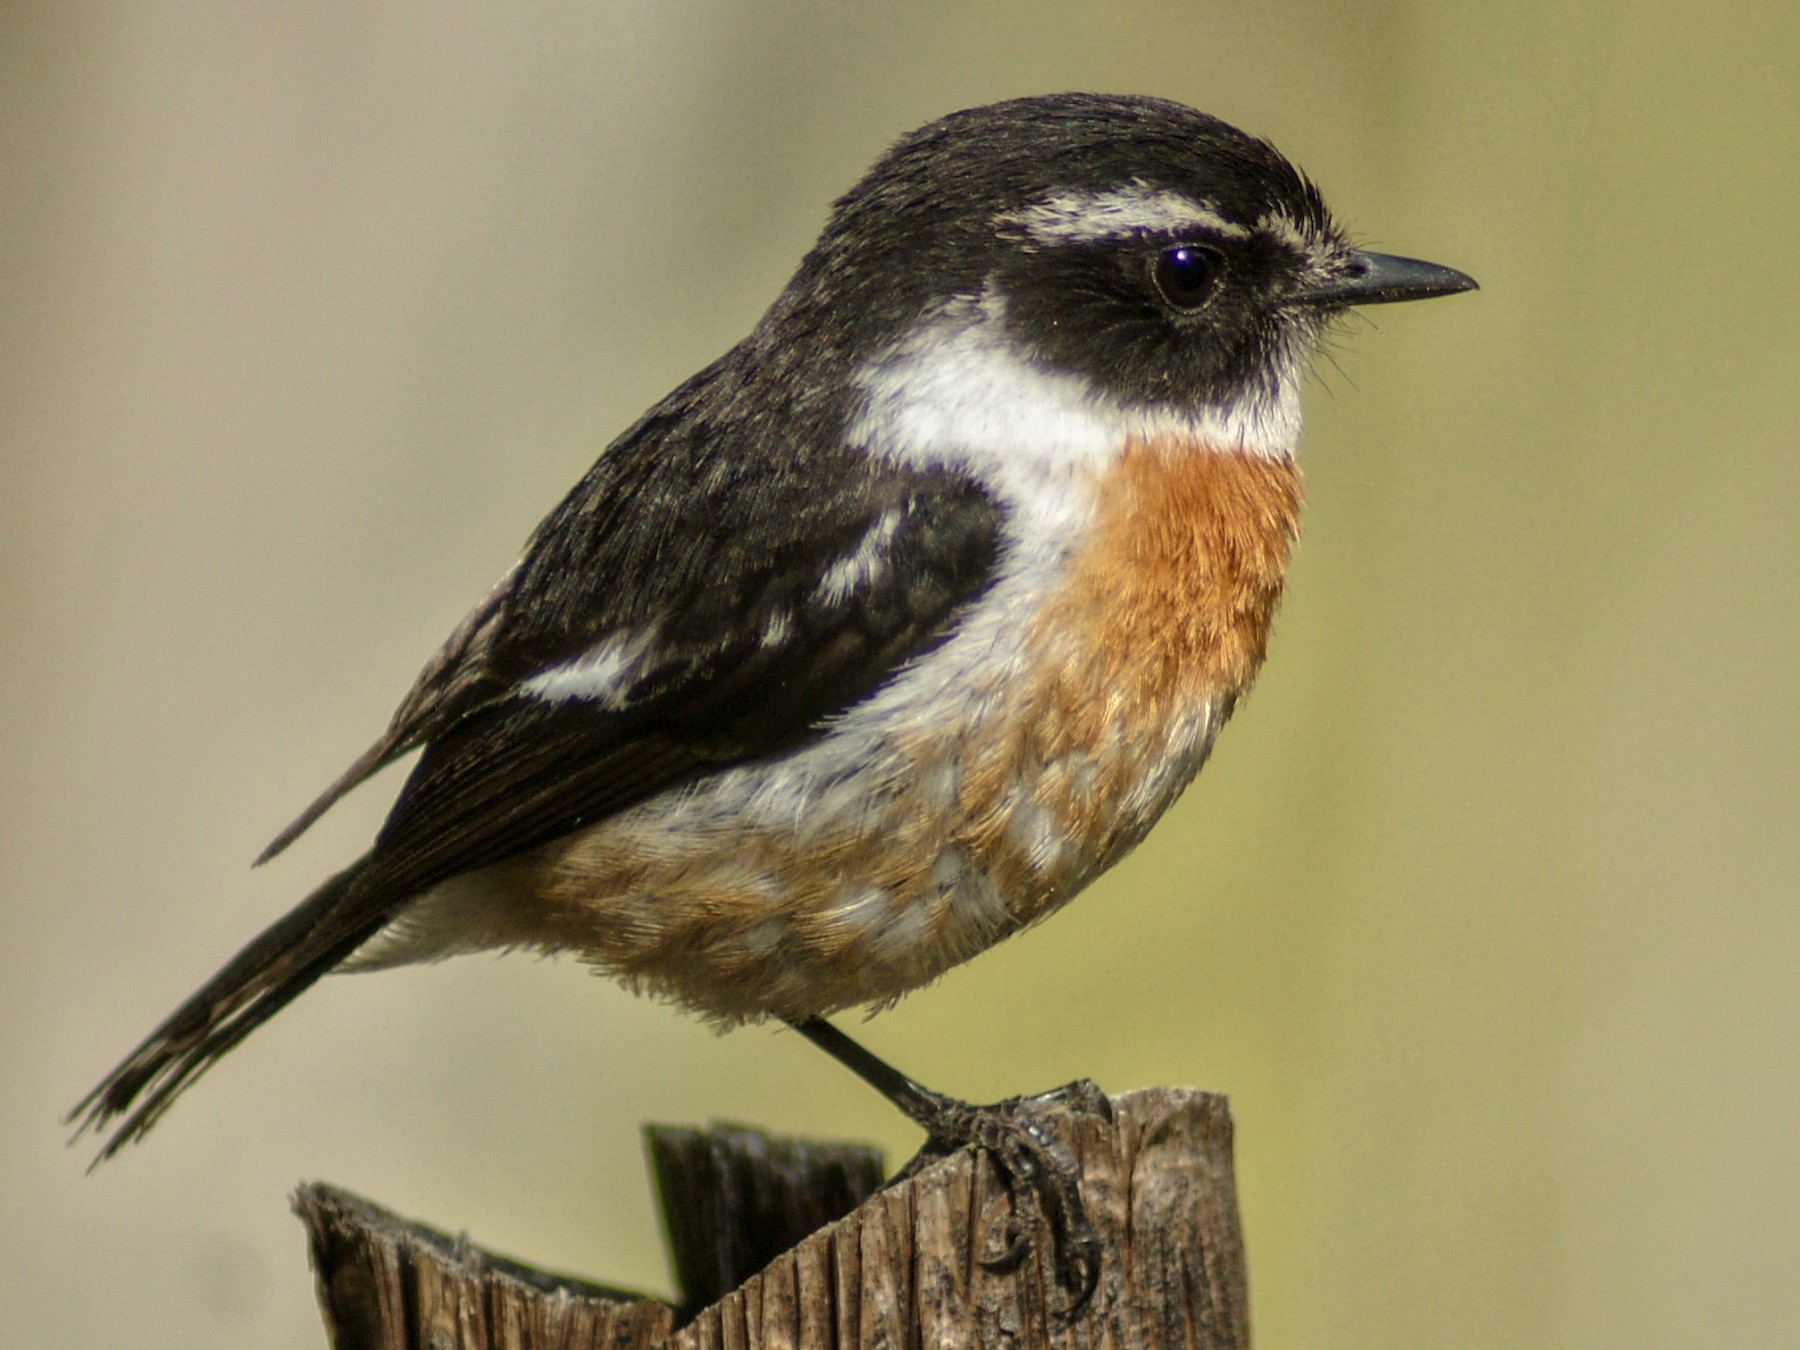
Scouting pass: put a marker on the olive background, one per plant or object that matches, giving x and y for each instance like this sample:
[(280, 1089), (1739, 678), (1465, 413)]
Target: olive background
[(1484, 912)]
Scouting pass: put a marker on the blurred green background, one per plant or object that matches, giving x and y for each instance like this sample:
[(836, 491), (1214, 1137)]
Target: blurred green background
[(1484, 913)]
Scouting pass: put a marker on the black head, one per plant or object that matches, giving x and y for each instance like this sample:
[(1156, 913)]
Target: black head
[(1156, 251)]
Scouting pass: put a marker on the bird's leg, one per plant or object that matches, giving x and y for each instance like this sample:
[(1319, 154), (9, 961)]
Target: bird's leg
[(1039, 1173)]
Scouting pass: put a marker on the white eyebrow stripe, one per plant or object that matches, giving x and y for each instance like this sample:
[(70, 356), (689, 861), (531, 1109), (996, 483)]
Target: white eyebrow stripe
[(1279, 225), (1091, 217)]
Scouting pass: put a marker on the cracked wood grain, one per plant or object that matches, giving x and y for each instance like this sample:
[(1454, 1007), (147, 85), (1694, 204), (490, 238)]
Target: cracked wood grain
[(903, 1269)]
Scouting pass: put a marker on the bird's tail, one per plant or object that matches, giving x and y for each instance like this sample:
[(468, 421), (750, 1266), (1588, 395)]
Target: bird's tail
[(277, 966)]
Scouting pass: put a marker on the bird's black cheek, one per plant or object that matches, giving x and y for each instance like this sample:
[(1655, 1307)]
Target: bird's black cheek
[(1082, 328), (1098, 317), (1138, 356)]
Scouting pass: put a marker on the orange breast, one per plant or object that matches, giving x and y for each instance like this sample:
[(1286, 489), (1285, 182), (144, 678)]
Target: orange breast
[(1138, 660), (1174, 595)]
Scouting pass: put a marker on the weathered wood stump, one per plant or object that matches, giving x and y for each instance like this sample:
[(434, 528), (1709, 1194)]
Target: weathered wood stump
[(902, 1267)]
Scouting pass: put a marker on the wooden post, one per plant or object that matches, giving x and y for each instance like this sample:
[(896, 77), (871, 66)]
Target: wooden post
[(902, 1268), (734, 1199)]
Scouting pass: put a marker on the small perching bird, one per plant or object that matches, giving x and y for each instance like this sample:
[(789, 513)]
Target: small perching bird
[(887, 632)]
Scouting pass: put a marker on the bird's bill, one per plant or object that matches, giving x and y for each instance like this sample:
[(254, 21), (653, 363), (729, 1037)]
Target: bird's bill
[(1382, 278)]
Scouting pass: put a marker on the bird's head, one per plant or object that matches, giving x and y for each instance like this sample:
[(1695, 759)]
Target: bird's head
[(1127, 253)]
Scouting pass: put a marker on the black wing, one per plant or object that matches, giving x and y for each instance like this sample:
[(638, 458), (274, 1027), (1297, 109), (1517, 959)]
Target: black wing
[(713, 527), (706, 537), (749, 655), (710, 521)]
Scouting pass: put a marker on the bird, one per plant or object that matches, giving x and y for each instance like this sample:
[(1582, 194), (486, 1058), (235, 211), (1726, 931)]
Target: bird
[(882, 636)]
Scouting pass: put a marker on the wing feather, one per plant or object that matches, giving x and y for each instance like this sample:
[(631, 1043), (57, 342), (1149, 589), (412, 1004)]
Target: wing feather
[(520, 771)]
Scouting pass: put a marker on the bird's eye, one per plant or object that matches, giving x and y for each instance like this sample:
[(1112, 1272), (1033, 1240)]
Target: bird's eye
[(1187, 274)]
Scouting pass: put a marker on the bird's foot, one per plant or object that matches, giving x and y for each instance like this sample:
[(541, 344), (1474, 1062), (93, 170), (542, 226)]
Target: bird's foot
[(1039, 1174)]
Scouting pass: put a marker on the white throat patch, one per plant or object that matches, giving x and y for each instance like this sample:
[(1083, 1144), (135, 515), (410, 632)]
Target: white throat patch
[(956, 392)]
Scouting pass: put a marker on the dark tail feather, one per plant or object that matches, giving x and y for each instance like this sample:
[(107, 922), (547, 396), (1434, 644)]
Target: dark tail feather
[(256, 984)]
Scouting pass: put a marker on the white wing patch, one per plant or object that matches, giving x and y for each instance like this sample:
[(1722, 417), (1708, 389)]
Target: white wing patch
[(1095, 217), (856, 570), (603, 674), (777, 628)]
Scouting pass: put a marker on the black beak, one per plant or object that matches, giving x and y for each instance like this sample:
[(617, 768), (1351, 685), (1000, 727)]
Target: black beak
[(1381, 278)]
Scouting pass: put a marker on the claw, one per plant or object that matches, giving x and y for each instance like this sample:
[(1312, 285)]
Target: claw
[(1054, 1193), (1083, 1097), (1038, 1174), (1012, 1256)]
